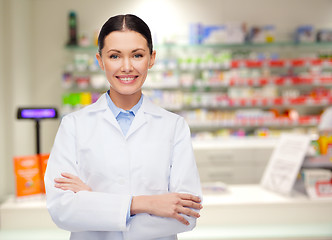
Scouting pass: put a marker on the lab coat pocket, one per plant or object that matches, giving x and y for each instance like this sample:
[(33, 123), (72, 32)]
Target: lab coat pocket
[(155, 161)]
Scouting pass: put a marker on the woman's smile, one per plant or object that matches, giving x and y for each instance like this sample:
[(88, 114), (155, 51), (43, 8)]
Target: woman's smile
[(127, 79)]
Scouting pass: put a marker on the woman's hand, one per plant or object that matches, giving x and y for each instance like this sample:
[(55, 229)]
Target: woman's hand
[(71, 182), (167, 205)]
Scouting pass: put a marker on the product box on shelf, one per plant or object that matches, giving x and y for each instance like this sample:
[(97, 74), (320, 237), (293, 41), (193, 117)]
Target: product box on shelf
[(318, 182), (324, 35), (233, 32), (261, 34), (304, 33)]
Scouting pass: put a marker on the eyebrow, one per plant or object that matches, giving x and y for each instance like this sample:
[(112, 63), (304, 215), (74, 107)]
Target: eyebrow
[(135, 50)]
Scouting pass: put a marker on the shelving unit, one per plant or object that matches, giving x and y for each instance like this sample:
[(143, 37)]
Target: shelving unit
[(237, 87)]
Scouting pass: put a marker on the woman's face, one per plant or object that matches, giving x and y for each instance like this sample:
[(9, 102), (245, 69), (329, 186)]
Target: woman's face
[(125, 59)]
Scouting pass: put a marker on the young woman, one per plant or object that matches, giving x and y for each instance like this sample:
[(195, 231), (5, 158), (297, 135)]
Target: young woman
[(123, 168)]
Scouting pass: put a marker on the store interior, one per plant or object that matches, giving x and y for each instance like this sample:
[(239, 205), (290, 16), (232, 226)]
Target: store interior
[(241, 72)]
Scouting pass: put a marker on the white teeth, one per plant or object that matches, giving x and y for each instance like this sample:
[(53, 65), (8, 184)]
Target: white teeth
[(127, 79)]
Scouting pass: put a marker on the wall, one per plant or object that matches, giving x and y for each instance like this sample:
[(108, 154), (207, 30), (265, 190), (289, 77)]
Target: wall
[(37, 34), (16, 87), (2, 107)]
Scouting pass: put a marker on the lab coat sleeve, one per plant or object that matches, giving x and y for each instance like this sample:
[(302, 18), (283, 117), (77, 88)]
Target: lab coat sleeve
[(82, 211), (184, 178)]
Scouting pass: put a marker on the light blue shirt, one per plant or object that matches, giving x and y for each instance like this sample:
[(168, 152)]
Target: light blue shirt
[(124, 118)]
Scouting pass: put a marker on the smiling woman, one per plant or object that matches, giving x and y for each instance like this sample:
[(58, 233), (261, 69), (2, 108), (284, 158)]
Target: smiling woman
[(123, 168), (125, 58)]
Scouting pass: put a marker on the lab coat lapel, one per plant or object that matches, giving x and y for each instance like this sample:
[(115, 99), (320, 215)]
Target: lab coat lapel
[(141, 117), (101, 105), (139, 121), (109, 117)]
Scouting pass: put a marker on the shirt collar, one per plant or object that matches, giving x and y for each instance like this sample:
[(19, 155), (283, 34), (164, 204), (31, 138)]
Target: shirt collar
[(116, 110), (147, 106)]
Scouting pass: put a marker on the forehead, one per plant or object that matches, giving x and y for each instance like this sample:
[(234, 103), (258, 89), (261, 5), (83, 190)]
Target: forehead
[(125, 40)]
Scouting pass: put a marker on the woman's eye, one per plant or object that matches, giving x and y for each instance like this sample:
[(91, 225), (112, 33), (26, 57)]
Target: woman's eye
[(114, 56), (138, 55)]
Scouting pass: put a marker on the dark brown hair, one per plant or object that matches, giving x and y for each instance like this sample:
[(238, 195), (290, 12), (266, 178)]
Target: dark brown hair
[(121, 23)]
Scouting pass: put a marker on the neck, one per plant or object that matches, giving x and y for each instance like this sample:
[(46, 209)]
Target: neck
[(125, 102)]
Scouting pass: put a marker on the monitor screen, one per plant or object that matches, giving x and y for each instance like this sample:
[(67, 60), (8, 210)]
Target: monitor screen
[(36, 113)]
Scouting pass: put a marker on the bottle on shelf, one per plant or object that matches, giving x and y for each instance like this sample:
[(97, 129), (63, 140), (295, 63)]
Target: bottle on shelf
[(72, 24)]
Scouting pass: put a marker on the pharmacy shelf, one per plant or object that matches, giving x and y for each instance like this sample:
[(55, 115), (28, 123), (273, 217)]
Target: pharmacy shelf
[(306, 121), (284, 44), (190, 77), (298, 62), (221, 103), (320, 161), (262, 102), (279, 81)]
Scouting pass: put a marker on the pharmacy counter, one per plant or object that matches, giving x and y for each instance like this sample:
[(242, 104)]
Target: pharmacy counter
[(241, 212), (233, 161), (251, 212)]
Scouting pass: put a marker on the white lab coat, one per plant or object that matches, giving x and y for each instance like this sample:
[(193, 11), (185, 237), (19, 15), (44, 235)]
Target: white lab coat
[(155, 157)]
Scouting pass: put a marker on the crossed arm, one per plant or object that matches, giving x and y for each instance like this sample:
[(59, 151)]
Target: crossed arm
[(170, 205)]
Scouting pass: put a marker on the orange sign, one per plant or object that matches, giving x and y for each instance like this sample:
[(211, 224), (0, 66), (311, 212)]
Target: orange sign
[(28, 178), (29, 173)]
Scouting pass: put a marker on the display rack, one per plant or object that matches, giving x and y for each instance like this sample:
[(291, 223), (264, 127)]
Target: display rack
[(221, 86)]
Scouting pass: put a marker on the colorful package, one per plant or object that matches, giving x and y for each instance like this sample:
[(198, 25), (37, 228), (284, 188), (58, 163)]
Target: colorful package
[(27, 174)]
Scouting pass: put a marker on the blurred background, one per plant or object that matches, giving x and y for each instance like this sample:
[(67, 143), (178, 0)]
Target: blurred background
[(241, 72)]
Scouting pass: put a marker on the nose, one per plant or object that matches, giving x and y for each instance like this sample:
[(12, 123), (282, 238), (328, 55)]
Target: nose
[(126, 65)]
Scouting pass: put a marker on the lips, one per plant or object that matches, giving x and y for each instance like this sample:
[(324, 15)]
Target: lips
[(127, 79)]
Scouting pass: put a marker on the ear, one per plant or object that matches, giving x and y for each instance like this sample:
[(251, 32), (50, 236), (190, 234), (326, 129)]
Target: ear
[(152, 59), (100, 61)]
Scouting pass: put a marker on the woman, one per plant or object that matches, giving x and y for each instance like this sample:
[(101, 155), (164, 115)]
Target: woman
[(123, 168)]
